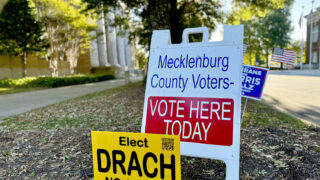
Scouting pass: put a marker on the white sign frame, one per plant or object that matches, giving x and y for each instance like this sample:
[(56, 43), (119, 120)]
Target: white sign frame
[(232, 45)]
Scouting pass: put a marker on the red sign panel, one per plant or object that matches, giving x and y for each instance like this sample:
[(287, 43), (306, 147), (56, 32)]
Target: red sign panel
[(199, 120)]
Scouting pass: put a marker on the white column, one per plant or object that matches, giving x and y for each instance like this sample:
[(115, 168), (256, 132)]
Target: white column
[(120, 51), (94, 55), (102, 45), (311, 28), (111, 40), (128, 53), (120, 43)]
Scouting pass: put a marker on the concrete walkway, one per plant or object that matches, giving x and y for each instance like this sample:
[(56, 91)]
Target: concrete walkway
[(13, 104)]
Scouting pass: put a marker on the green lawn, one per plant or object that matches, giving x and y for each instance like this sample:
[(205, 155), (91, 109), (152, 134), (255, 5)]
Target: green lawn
[(261, 114)]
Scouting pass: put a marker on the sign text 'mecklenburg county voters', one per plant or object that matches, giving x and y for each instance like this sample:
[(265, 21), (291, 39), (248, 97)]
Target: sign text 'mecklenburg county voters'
[(187, 62), (194, 119)]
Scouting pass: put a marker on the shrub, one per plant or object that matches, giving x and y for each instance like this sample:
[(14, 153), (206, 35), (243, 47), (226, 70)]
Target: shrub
[(52, 82)]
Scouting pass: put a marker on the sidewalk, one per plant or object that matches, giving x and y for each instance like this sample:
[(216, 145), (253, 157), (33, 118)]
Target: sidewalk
[(296, 72), (13, 104)]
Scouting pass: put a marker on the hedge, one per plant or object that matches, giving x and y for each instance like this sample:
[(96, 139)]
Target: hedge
[(52, 82)]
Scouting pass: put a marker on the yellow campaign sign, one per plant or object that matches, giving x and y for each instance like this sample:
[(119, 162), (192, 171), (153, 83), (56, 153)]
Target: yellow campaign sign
[(133, 156)]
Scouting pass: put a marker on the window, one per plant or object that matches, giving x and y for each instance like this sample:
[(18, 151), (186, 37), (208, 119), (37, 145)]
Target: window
[(314, 57), (315, 32)]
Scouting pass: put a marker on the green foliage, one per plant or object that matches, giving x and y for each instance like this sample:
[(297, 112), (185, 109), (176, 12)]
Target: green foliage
[(176, 16), (252, 39), (98, 4), (165, 14), (274, 30), (19, 31), (28, 26), (51, 82), (161, 14), (244, 10), (67, 27), (262, 34), (141, 58), (70, 16), (16, 82)]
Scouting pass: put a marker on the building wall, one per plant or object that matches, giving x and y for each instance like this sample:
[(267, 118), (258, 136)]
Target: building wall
[(11, 67), (84, 65), (315, 45)]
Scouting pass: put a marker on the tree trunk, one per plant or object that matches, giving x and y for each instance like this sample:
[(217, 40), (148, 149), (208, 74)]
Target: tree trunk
[(24, 64), (54, 68), (158, 19), (71, 70), (175, 27), (257, 59), (53, 64)]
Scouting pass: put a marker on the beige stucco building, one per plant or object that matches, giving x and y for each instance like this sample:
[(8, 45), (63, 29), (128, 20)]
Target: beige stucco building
[(109, 53)]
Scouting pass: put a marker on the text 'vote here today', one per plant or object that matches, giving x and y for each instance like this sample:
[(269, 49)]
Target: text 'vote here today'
[(200, 120)]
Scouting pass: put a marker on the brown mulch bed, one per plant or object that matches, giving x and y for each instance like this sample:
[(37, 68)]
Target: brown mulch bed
[(41, 150)]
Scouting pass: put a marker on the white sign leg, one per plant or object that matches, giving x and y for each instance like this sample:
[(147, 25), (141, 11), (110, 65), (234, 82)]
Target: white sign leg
[(232, 169)]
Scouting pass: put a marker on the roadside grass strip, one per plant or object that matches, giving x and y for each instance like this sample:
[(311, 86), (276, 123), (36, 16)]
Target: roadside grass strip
[(261, 114)]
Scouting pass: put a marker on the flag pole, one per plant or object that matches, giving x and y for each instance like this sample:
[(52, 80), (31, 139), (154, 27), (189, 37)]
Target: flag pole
[(301, 56), (311, 26)]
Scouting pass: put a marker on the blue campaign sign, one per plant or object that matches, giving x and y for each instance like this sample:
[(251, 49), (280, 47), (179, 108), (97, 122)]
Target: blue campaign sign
[(253, 80)]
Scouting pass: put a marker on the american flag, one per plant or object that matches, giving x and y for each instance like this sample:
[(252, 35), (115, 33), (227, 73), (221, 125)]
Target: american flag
[(310, 14), (286, 56), (300, 20), (244, 48)]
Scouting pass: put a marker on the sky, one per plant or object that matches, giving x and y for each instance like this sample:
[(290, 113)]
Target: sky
[(296, 11)]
